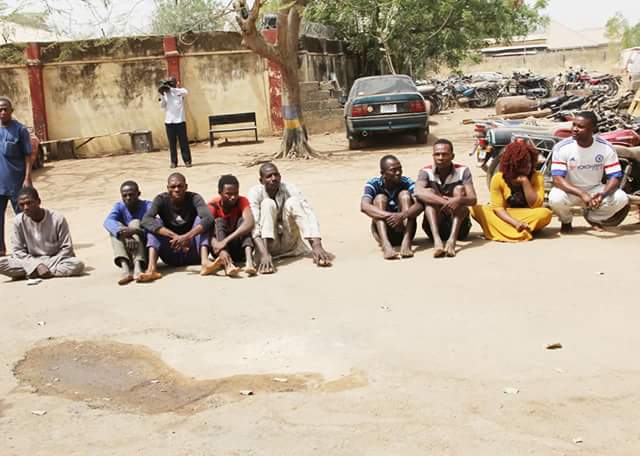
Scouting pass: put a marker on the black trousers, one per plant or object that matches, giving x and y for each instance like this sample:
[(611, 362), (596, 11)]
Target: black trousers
[(178, 133), (235, 248)]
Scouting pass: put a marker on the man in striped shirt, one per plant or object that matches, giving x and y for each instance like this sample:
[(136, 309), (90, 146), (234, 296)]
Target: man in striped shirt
[(578, 167), (446, 190), (388, 200)]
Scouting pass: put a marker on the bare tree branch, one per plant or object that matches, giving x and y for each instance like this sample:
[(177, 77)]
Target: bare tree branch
[(250, 36)]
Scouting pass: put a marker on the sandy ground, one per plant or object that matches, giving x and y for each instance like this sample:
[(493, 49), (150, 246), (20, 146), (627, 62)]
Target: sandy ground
[(404, 358)]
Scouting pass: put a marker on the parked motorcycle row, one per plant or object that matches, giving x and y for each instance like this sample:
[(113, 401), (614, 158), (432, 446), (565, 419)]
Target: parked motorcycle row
[(482, 90), (579, 78), (615, 125)]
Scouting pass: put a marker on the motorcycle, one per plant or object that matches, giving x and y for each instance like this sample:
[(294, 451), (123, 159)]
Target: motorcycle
[(580, 79), (629, 158), (526, 83), (431, 94), (544, 138), (476, 95)]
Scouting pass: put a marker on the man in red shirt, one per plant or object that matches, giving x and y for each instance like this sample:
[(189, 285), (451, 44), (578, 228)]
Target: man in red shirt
[(233, 223)]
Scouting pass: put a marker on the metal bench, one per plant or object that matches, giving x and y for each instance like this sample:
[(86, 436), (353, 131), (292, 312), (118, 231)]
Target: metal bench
[(230, 119)]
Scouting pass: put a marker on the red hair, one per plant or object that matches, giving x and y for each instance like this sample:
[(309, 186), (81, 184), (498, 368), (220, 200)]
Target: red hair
[(514, 157)]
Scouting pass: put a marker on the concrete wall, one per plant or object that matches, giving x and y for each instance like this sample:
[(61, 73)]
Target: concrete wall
[(102, 99), (14, 83), (601, 59), (102, 87), (226, 84)]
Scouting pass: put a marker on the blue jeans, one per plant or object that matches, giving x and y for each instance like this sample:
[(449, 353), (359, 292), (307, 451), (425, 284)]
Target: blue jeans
[(4, 199)]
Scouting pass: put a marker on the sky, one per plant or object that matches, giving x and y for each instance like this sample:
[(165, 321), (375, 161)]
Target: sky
[(581, 14), (134, 16)]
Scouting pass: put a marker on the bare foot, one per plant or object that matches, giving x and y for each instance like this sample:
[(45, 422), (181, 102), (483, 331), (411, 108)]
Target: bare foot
[(125, 279), (438, 250), (597, 227), (147, 277), (390, 254), (250, 270), (231, 270), (211, 268), (450, 249), (405, 250), (43, 272)]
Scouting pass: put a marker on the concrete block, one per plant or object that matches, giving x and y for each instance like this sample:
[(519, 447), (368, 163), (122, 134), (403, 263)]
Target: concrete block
[(327, 121)]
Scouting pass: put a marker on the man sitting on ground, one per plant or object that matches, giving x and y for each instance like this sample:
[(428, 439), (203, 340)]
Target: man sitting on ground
[(283, 217), (578, 167), (126, 233), (233, 223), (42, 246), (446, 190), (178, 224), (388, 200)]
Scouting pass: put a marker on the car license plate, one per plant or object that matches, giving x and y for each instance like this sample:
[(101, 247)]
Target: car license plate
[(388, 109)]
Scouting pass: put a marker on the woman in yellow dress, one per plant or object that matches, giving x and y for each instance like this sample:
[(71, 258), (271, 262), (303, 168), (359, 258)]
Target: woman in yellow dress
[(517, 194)]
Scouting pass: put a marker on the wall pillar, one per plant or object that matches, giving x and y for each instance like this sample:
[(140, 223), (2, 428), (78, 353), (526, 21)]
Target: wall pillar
[(172, 56), (275, 85), (36, 90)]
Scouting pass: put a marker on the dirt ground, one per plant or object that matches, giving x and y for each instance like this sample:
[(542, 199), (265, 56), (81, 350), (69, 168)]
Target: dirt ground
[(414, 357)]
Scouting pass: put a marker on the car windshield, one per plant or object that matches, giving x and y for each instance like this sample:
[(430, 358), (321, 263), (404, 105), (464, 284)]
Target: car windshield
[(379, 86)]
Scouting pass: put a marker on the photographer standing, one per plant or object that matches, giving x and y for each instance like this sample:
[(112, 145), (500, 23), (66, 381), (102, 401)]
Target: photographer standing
[(172, 100)]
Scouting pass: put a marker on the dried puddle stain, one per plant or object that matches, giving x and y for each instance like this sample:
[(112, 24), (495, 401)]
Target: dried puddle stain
[(133, 379)]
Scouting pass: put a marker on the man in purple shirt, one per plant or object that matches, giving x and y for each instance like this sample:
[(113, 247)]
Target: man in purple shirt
[(15, 162), (127, 236)]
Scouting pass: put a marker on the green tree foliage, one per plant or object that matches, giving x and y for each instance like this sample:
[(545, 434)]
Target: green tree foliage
[(180, 16), (619, 29), (415, 33)]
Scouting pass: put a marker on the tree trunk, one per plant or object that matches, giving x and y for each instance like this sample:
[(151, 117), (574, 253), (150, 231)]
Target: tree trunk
[(285, 54), (295, 141)]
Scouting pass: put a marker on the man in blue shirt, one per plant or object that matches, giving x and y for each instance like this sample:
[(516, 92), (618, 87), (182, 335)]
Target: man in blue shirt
[(388, 200), (127, 236), (15, 162)]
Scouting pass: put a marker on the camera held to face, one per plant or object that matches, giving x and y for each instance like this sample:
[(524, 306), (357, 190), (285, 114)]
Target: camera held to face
[(166, 85)]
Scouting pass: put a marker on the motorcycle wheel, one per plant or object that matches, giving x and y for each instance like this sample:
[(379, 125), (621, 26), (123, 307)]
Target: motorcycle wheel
[(548, 87), (432, 105), (446, 103), (612, 87), (615, 220), (483, 99), (493, 166), (437, 101)]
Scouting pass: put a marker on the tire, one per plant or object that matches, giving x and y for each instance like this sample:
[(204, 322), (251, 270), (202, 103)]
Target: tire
[(354, 143), (422, 136), (612, 87), (483, 99), (493, 167), (446, 103), (437, 99), (616, 219), (548, 87), (432, 105)]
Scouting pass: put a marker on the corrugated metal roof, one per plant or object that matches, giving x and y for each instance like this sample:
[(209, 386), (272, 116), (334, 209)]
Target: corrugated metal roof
[(555, 36)]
